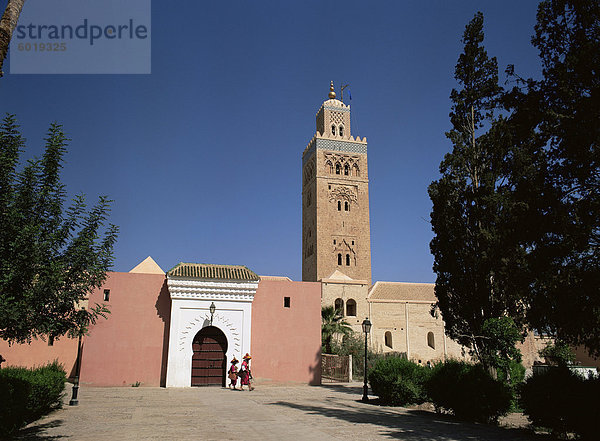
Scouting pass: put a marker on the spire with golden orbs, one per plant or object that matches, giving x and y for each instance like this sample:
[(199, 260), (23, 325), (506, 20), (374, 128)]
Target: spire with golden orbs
[(331, 92)]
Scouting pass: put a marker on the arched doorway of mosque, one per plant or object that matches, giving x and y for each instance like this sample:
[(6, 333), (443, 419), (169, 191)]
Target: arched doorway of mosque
[(209, 361)]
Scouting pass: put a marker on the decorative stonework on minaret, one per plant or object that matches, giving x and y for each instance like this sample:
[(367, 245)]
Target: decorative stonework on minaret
[(336, 233)]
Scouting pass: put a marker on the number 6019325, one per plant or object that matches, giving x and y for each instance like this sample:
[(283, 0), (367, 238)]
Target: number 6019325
[(42, 47)]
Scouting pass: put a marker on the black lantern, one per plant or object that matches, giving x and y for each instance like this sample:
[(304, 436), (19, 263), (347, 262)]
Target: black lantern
[(366, 326), (212, 309)]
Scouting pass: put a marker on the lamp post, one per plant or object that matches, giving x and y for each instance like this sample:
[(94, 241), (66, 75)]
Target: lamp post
[(366, 327), (212, 309), (74, 401)]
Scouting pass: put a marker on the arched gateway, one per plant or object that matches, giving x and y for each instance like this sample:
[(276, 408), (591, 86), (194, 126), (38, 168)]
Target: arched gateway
[(209, 362), (201, 342)]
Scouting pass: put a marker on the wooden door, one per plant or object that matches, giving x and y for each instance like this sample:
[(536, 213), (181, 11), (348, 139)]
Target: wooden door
[(209, 361)]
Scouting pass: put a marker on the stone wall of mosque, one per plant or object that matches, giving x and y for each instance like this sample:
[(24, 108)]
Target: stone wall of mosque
[(409, 328)]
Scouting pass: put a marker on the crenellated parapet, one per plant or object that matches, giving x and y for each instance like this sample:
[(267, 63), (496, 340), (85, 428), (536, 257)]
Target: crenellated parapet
[(326, 142)]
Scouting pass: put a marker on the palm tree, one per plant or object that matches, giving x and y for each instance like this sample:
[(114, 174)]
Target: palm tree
[(7, 26), (332, 323)]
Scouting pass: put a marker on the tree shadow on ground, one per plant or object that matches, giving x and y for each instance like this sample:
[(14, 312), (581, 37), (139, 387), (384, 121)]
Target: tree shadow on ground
[(34, 433), (415, 425), (345, 388)]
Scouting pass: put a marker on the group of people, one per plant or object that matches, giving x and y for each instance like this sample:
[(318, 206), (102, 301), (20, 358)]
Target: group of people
[(243, 373)]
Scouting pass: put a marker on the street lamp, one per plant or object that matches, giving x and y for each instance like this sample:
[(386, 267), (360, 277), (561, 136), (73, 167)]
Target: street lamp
[(74, 401), (366, 327), (212, 309)]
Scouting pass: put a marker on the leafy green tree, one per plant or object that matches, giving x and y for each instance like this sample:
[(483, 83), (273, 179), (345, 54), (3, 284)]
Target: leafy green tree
[(476, 244), (558, 353), (558, 118), (50, 257), (567, 298), (516, 213), (332, 323), (500, 350)]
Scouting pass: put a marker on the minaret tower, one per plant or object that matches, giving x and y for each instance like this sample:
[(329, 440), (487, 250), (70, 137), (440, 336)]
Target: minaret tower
[(336, 233)]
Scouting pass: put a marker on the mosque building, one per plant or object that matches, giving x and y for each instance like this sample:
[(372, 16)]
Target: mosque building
[(182, 328), (336, 245)]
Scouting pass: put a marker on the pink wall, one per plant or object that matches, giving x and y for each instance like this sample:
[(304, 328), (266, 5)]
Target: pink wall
[(584, 358), (286, 342), (39, 353), (131, 345)]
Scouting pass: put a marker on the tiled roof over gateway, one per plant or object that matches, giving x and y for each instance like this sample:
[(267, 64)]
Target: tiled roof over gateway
[(404, 292), (209, 271)]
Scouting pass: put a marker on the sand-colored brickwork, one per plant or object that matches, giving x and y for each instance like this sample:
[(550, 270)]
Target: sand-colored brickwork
[(335, 199)]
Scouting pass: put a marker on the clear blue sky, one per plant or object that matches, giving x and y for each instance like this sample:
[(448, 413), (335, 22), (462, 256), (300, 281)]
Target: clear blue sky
[(203, 156)]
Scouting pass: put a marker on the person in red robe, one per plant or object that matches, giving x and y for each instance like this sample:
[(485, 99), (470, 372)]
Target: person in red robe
[(246, 373), (233, 374)]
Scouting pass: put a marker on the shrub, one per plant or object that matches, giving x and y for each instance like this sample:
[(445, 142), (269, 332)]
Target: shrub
[(562, 401), (517, 375), (354, 344), (586, 411), (29, 394), (14, 392), (558, 353), (468, 391), (399, 382)]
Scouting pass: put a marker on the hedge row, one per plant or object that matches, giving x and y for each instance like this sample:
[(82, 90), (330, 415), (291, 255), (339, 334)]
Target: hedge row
[(397, 381), (468, 391), (563, 402), (29, 394), (465, 390)]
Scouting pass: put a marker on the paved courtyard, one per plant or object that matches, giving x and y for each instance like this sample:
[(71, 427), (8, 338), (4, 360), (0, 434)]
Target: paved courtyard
[(328, 412)]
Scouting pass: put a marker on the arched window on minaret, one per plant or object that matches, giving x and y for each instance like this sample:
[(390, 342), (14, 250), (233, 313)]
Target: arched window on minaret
[(329, 167), (338, 168), (355, 170), (341, 130), (339, 205), (339, 258), (346, 206), (333, 130), (339, 306), (347, 259), (346, 169)]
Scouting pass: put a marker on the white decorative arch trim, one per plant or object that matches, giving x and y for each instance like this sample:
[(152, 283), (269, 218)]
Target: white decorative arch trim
[(228, 328), (190, 303)]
